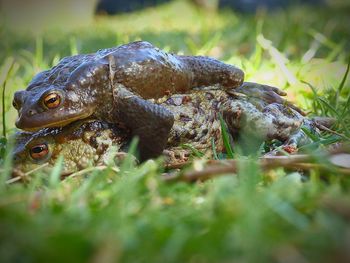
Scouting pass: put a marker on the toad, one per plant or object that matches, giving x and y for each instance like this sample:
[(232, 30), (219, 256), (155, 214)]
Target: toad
[(114, 84)]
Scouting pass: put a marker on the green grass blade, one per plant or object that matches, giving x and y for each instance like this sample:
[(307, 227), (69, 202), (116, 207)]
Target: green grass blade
[(195, 152), (39, 52), (5, 73), (213, 147), (287, 211), (329, 106), (210, 44), (342, 83), (330, 140), (7, 164), (335, 52), (56, 172), (258, 54), (226, 138), (73, 46), (316, 96), (129, 162), (3, 110), (312, 136), (346, 107), (338, 116)]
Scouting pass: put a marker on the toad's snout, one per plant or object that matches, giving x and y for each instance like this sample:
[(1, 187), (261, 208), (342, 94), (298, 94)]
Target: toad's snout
[(24, 118), (23, 124), (19, 122)]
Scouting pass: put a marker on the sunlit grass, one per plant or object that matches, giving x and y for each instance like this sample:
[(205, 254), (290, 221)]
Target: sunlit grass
[(133, 215)]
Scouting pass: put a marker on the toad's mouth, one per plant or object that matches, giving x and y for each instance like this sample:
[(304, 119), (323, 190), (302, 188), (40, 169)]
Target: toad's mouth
[(60, 123)]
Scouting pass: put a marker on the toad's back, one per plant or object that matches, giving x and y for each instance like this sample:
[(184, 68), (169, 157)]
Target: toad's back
[(152, 73)]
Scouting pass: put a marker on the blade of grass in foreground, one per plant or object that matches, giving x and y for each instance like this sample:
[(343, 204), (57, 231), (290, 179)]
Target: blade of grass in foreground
[(346, 108), (312, 136), (5, 72), (195, 152), (340, 88), (226, 138), (7, 165), (316, 96), (129, 161), (342, 83), (56, 172), (338, 93), (39, 51), (339, 118)]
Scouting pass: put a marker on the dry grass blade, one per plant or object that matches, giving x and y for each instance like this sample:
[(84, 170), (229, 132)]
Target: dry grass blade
[(92, 169), (18, 175), (279, 59)]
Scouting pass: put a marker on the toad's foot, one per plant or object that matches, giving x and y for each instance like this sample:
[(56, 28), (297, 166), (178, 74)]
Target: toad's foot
[(266, 93)]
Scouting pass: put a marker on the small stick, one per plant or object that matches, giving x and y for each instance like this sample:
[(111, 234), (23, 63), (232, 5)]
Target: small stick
[(217, 168), (177, 165), (90, 169), (36, 169), (22, 175), (324, 128), (14, 179)]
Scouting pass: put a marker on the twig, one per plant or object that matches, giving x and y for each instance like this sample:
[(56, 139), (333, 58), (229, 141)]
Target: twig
[(90, 169), (218, 168), (177, 165), (14, 179), (36, 169), (205, 174), (324, 128)]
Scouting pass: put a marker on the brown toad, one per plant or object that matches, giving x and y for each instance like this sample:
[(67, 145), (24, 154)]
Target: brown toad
[(113, 84)]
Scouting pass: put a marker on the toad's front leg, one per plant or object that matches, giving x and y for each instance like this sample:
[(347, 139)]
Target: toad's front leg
[(150, 122)]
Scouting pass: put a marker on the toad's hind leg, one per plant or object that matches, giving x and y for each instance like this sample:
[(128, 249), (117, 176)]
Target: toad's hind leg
[(148, 121), (208, 71)]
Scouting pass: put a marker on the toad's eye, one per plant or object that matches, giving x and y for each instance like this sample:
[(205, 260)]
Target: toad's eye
[(39, 151), (52, 100)]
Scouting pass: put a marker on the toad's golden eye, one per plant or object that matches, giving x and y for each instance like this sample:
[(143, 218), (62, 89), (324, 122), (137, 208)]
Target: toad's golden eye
[(52, 100), (39, 151)]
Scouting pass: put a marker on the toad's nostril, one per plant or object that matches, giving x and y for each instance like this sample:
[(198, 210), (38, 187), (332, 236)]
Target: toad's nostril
[(31, 112)]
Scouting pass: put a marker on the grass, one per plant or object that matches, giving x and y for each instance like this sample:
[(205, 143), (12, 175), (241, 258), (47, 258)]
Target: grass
[(133, 215)]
